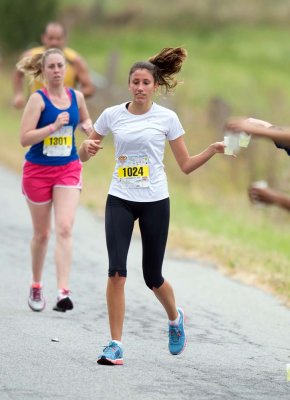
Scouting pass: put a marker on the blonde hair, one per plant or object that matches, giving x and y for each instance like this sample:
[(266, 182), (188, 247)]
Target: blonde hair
[(163, 66), (33, 65)]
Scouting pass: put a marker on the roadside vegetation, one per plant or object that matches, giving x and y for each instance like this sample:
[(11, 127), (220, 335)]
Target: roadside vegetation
[(242, 67)]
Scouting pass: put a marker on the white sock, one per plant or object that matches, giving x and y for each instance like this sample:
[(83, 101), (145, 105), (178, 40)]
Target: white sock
[(117, 342), (60, 294), (176, 321)]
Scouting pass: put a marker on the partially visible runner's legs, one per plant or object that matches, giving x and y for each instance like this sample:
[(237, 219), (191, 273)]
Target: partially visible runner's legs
[(154, 223), (41, 215), (65, 200), (113, 353), (176, 334)]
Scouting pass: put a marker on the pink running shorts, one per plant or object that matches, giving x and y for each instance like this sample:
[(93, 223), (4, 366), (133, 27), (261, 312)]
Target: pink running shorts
[(38, 181)]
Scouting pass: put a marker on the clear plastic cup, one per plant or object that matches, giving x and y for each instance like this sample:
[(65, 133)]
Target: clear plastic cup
[(244, 139), (231, 141), (260, 184)]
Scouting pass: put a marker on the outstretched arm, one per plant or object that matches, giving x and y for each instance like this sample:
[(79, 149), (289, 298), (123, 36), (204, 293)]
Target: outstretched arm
[(262, 129), (189, 163), (269, 196)]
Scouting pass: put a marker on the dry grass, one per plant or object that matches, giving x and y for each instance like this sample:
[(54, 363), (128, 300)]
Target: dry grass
[(246, 264)]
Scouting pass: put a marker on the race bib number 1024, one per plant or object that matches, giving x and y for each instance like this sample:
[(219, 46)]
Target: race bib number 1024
[(133, 171)]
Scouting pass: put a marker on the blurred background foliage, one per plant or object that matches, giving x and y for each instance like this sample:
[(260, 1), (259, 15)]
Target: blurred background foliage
[(238, 64), (18, 16), (22, 22)]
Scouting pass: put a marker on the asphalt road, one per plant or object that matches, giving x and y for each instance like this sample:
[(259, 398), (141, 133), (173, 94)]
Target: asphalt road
[(238, 337)]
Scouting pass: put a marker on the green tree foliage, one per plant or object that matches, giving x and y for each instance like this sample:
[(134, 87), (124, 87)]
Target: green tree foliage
[(22, 21)]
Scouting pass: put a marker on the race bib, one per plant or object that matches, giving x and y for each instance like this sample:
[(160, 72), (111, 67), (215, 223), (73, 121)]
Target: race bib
[(133, 171), (59, 143)]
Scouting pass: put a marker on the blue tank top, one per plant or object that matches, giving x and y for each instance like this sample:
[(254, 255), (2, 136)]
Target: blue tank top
[(43, 153)]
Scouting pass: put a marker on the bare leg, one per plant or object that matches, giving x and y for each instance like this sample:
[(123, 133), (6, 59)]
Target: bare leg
[(166, 297), (65, 202), (176, 334), (116, 305), (41, 217)]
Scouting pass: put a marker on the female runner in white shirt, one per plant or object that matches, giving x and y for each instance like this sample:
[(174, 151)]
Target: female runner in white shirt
[(139, 189)]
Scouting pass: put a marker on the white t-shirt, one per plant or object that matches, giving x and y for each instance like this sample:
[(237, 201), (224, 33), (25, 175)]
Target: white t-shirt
[(139, 150)]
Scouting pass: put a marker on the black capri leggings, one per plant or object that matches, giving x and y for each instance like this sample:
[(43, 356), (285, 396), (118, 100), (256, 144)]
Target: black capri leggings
[(153, 221)]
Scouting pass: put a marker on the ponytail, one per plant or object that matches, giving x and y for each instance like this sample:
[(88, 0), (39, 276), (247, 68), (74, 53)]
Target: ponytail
[(168, 63), (33, 65), (163, 66)]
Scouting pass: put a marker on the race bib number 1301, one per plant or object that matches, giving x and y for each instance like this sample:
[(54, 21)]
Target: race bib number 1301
[(59, 143)]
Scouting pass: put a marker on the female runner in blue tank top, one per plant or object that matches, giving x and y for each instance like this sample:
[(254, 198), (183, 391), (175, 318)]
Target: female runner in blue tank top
[(139, 190), (52, 170)]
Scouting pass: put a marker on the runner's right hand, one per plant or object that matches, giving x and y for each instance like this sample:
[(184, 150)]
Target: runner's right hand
[(61, 120), (92, 146)]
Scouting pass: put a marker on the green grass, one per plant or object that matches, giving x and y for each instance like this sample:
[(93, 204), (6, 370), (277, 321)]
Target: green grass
[(242, 226), (234, 60), (212, 219)]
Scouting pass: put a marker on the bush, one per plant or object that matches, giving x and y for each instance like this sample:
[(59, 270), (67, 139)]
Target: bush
[(21, 23)]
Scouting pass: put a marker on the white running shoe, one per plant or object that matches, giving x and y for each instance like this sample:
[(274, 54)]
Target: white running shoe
[(36, 300)]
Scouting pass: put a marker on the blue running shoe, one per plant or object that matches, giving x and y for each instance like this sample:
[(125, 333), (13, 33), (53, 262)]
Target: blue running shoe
[(112, 355), (177, 339)]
